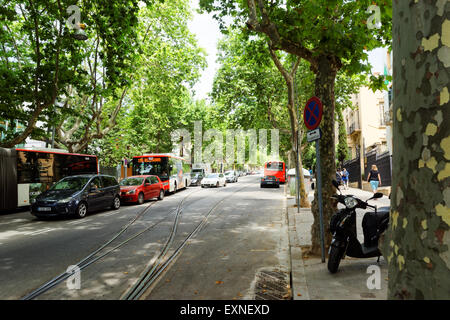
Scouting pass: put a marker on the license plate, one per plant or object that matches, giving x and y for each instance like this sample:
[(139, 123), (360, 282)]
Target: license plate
[(44, 209)]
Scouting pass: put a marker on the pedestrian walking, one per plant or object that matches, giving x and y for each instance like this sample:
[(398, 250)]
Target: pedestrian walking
[(345, 175), (374, 178)]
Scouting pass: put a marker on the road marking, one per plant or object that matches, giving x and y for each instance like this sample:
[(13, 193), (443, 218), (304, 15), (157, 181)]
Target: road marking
[(35, 233)]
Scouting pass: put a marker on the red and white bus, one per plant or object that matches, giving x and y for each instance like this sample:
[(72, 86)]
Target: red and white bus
[(277, 169), (26, 173), (173, 171)]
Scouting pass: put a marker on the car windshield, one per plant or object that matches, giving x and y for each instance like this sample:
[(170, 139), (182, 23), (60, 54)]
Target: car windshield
[(228, 173), (212, 176), (195, 174), (270, 177), (71, 183), (131, 181)]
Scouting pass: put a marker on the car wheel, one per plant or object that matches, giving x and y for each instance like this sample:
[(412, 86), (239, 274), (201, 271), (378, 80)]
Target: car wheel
[(140, 198), (175, 188), (81, 210), (225, 184), (116, 203), (161, 194), (217, 184)]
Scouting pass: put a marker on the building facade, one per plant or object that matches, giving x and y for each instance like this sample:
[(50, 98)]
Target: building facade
[(368, 136)]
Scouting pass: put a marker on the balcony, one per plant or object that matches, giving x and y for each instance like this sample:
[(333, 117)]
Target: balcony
[(353, 128)]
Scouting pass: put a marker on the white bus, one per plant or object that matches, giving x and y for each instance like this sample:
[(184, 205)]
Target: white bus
[(25, 173), (173, 171)]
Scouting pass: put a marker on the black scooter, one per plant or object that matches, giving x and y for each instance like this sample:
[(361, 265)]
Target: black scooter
[(343, 228)]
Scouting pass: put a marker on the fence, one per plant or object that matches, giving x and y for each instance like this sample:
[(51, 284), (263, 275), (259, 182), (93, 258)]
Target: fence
[(110, 171), (354, 170), (382, 161)]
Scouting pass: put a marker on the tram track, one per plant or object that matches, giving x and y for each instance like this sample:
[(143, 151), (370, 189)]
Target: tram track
[(152, 272), (92, 258)]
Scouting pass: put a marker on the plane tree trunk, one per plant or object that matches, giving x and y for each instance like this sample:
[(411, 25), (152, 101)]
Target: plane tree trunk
[(324, 89), (418, 239)]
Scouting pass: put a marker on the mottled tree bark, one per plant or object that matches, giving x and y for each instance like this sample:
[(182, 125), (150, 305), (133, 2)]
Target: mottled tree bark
[(418, 238)]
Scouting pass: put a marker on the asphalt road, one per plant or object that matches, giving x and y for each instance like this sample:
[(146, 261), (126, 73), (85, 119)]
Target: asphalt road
[(242, 235)]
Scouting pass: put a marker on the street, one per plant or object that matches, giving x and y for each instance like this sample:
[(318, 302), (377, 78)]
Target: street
[(242, 233)]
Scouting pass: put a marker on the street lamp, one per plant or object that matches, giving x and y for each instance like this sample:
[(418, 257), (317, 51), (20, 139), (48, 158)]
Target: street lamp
[(80, 34)]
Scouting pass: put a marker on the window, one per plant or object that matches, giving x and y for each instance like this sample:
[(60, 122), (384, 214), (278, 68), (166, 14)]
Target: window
[(186, 167), (154, 180), (382, 118), (35, 167), (113, 181), (278, 166), (156, 166), (109, 181), (96, 183)]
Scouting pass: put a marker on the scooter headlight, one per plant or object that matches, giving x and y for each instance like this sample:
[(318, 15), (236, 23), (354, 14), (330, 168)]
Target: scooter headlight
[(350, 202)]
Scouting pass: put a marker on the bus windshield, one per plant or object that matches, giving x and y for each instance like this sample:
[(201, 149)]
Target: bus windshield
[(277, 166), (158, 166), (71, 183), (131, 182)]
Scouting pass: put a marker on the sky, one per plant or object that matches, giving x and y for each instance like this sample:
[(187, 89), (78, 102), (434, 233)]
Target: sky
[(207, 33)]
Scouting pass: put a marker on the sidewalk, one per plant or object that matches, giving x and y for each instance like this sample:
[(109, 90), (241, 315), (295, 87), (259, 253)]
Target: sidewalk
[(311, 279)]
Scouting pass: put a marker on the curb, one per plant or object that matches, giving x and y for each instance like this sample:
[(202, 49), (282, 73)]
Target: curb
[(299, 284)]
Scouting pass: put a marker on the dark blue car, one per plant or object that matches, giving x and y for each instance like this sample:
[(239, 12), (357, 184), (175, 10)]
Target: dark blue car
[(77, 195)]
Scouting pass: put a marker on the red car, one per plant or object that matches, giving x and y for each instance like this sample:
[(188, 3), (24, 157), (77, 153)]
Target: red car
[(141, 188)]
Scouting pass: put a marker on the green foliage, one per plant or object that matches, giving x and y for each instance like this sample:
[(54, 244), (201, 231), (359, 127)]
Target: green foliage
[(42, 62), (342, 147), (159, 100)]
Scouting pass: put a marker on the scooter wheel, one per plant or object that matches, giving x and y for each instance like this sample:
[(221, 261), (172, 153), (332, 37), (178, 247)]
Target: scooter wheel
[(334, 259)]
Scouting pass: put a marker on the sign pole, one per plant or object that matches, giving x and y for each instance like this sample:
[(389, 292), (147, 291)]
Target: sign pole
[(319, 193), (312, 116)]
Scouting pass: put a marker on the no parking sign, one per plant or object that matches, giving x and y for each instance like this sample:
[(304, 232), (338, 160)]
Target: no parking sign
[(312, 115)]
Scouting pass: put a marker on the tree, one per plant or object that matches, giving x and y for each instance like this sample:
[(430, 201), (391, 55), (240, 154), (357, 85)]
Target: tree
[(331, 36), (248, 91), (417, 242), (342, 147), (158, 100), (42, 62)]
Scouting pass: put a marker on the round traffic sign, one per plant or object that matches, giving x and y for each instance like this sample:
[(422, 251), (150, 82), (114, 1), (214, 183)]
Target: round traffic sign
[(312, 115)]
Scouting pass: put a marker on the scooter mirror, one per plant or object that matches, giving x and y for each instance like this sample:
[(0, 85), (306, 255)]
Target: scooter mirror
[(378, 195), (335, 184)]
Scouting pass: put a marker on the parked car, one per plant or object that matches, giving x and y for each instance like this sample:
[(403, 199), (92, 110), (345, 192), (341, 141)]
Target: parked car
[(214, 180), (141, 188), (196, 179), (271, 181), (77, 195), (231, 176)]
